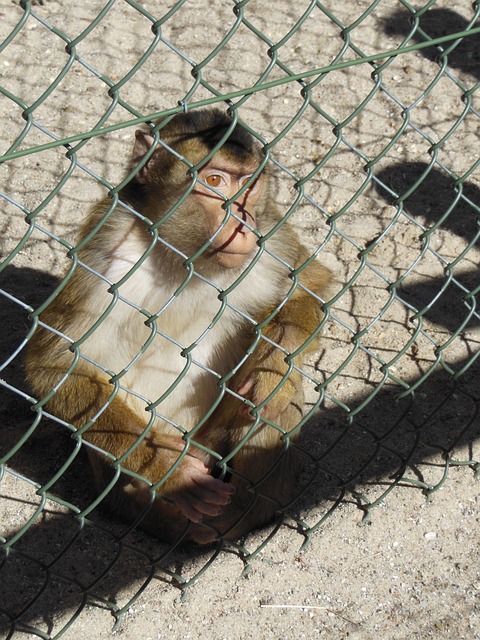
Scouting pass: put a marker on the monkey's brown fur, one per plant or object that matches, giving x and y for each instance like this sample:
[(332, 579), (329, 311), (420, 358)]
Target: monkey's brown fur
[(191, 339)]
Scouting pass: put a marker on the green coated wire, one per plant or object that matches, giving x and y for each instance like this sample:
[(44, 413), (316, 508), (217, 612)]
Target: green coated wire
[(418, 329), (243, 92)]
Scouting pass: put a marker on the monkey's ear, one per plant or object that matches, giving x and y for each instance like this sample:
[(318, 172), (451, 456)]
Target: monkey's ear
[(143, 142)]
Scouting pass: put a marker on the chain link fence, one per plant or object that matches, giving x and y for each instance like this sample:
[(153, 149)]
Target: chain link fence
[(370, 115)]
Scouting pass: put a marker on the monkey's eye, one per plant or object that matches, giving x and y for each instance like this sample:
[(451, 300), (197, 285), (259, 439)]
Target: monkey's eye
[(214, 180)]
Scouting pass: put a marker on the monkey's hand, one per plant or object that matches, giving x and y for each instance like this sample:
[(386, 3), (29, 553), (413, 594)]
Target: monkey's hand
[(262, 381), (195, 492)]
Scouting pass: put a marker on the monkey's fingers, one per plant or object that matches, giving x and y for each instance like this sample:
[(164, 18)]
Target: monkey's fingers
[(203, 495)]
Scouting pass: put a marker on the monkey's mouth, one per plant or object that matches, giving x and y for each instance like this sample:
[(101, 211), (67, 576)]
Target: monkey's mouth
[(232, 251), (241, 242)]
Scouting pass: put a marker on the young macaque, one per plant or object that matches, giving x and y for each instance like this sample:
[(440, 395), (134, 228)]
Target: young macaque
[(175, 289)]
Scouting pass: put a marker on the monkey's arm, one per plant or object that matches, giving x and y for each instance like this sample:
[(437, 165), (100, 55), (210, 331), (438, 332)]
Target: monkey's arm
[(264, 468), (290, 328), (118, 427)]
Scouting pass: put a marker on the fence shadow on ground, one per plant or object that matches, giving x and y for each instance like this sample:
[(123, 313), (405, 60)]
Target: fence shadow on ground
[(431, 199), (437, 23)]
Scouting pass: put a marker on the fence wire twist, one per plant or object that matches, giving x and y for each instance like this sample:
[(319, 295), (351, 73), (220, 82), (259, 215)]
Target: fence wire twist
[(413, 380)]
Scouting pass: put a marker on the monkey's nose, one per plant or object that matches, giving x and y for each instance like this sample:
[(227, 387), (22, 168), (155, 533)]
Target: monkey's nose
[(244, 218)]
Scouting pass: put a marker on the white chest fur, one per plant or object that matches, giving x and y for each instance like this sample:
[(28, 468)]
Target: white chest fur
[(174, 337)]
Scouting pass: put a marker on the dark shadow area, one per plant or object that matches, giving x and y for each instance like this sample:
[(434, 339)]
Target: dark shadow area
[(429, 203), (433, 197), (31, 287), (62, 562), (437, 23)]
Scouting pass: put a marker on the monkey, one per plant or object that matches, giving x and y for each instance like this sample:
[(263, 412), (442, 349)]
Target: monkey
[(175, 345)]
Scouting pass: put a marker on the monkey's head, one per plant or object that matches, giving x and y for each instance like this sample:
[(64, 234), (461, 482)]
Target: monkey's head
[(203, 219)]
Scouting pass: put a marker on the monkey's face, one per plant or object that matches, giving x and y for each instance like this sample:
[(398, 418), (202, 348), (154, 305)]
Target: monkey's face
[(230, 228), (214, 217)]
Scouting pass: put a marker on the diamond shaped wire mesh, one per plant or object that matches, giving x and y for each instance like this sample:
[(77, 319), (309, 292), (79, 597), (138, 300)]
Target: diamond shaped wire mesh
[(369, 113)]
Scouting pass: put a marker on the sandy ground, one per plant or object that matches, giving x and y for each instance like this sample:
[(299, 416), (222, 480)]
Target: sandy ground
[(411, 570)]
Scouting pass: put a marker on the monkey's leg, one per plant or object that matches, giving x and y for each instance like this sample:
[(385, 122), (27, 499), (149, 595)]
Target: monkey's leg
[(189, 491)]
